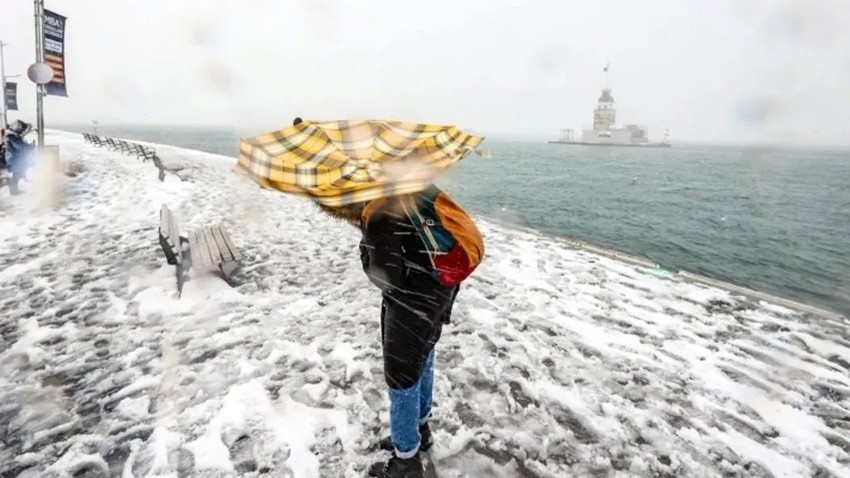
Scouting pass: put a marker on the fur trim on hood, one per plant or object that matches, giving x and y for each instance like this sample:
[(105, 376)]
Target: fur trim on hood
[(350, 213)]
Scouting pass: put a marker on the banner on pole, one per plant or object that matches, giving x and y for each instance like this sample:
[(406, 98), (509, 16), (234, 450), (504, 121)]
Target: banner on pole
[(54, 52), (11, 95)]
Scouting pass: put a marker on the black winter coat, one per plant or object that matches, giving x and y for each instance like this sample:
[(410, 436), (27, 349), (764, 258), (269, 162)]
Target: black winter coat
[(415, 304), (395, 260)]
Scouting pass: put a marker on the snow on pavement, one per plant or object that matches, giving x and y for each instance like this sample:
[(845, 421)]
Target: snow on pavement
[(559, 362)]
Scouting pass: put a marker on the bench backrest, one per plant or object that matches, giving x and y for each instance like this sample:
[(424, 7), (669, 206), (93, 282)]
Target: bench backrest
[(169, 230), (226, 242)]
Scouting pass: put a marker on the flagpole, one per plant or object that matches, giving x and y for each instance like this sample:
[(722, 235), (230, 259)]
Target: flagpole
[(3, 84), (39, 58)]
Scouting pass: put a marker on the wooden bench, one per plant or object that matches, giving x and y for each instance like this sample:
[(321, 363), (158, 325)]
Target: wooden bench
[(146, 153), (158, 163), (137, 149), (211, 248), (207, 249)]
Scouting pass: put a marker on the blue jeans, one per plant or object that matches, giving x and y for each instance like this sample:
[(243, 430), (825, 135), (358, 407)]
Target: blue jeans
[(409, 408)]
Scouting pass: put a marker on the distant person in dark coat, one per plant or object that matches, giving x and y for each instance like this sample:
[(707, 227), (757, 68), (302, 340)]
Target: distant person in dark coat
[(19, 153), (2, 150)]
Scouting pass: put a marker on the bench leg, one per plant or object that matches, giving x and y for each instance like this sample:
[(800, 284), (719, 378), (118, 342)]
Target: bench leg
[(170, 257), (184, 265), (228, 268), (186, 252), (181, 279)]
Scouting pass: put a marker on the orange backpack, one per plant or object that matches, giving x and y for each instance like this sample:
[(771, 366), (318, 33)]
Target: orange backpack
[(452, 240)]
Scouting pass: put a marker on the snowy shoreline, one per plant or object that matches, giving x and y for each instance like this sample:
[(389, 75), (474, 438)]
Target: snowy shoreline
[(560, 361), (617, 255)]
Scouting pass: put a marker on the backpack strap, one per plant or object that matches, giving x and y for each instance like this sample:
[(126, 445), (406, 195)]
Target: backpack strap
[(408, 205)]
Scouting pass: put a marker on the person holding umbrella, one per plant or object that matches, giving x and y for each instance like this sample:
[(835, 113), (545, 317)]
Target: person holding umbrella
[(417, 244)]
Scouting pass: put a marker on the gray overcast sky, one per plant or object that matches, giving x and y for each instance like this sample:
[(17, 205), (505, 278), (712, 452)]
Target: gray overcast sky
[(710, 70)]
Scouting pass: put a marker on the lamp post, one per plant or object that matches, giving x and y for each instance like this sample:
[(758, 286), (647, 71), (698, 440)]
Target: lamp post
[(3, 84), (39, 59)]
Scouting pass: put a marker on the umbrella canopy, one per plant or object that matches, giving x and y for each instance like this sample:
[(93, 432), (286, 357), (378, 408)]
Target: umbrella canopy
[(337, 163)]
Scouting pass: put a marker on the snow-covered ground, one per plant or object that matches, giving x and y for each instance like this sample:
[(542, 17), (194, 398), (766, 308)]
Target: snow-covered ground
[(560, 362)]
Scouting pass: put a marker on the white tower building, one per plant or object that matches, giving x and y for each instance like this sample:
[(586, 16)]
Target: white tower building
[(605, 115)]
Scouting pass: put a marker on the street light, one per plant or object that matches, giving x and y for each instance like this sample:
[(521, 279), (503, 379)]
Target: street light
[(3, 83), (3, 78), (39, 71)]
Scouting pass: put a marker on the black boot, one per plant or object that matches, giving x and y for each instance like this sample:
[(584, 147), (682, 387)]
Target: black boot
[(397, 467), (424, 444)]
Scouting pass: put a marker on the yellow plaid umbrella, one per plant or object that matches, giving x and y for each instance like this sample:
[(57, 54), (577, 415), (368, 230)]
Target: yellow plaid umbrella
[(337, 163)]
